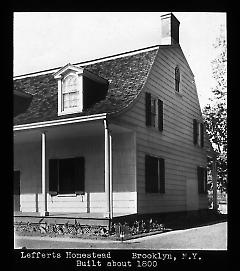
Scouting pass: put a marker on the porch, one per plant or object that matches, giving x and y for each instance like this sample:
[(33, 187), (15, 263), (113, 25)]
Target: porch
[(109, 189)]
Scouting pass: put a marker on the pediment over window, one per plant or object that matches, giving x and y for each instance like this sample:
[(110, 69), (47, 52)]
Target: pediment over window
[(68, 69), (78, 89)]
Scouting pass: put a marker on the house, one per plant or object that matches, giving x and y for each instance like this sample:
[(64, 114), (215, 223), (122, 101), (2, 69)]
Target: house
[(115, 136)]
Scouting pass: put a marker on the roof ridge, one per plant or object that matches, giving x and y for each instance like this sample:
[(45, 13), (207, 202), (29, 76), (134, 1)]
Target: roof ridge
[(87, 62)]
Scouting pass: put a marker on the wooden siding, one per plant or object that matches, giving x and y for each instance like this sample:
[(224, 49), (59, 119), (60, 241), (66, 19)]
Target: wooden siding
[(27, 159), (175, 142)]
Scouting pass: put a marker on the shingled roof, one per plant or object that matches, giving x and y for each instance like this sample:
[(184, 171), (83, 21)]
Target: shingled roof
[(126, 75)]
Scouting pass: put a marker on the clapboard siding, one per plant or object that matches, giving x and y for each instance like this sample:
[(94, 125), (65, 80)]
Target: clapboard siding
[(175, 142), (28, 161)]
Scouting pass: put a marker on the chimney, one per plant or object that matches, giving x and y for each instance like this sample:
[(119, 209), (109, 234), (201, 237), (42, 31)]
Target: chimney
[(170, 29)]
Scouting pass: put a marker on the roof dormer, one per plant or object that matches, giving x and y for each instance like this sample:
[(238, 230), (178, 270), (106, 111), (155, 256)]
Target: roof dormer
[(78, 89), (70, 89)]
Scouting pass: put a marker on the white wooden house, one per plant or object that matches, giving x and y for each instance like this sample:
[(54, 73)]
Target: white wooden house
[(114, 136)]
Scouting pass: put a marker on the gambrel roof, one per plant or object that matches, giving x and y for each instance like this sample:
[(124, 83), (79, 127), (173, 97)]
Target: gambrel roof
[(125, 73)]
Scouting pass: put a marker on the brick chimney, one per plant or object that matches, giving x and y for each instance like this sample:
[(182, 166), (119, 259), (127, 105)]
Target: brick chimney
[(170, 29)]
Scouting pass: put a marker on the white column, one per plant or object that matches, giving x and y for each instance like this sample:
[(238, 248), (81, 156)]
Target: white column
[(44, 211), (110, 172), (107, 169), (214, 179)]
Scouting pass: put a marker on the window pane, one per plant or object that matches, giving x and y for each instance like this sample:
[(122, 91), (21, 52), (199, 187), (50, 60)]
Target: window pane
[(65, 101)]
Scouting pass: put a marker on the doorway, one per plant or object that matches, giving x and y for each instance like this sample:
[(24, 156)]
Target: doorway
[(16, 190)]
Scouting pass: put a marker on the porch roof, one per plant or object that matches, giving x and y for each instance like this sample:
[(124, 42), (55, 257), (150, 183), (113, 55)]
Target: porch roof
[(126, 75)]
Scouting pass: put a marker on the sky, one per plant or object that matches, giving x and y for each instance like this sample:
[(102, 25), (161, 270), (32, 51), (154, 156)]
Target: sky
[(45, 40)]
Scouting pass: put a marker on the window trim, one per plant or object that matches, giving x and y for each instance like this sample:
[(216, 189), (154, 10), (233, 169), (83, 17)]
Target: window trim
[(79, 108), (60, 76)]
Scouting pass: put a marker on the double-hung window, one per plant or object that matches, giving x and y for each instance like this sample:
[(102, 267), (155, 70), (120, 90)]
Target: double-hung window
[(70, 92), (198, 133), (154, 111), (70, 89)]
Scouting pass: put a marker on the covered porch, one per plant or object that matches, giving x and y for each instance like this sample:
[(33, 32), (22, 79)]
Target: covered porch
[(107, 172)]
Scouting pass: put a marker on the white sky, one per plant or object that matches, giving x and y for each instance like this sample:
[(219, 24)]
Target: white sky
[(45, 40)]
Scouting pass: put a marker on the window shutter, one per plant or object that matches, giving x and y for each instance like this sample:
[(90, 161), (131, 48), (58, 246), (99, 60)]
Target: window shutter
[(53, 176), (200, 175), (202, 134), (148, 109), (162, 175), (154, 175), (195, 131), (147, 173), (205, 179), (160, 115), (79, 175)]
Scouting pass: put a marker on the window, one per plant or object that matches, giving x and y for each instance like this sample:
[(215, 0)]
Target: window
[(70, 92), (70, 89), (154, 112), (202, 180), (177, 78), (154, 174), (66, 176), (198, 133)]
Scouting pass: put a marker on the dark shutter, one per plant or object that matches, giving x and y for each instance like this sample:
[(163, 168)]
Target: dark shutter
[(195, 131), (205, 179), (200, 175), (160, 115), (148, 108), (154, 175), (79, 176), (202, 134), (162, 175), (147, 173), (53, 176)]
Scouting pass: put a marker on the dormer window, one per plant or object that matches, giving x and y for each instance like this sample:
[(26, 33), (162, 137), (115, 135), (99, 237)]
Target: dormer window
[(70, 92), (78, 89), (70, 89)]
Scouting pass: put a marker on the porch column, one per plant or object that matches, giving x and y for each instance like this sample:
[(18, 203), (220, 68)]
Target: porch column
[(110, 172), (107, 169), (44, 211), (214, 179)]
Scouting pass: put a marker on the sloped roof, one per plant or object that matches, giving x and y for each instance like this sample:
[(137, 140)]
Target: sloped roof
[(126, 75)]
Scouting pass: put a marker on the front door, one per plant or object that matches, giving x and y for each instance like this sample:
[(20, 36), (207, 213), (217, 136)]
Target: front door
[(16, 190)]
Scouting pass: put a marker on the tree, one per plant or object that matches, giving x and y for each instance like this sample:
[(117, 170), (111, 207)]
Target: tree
[(215, 113)]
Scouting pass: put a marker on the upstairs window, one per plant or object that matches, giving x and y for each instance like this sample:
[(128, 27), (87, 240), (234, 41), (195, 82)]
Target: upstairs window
[(70, 92), (177, 78), (154, 174), (198, 133), (202, 180), (154, 112), (70, 89)]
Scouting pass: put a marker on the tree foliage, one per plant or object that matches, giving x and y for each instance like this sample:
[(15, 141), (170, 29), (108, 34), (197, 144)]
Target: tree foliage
[(215, 113)]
